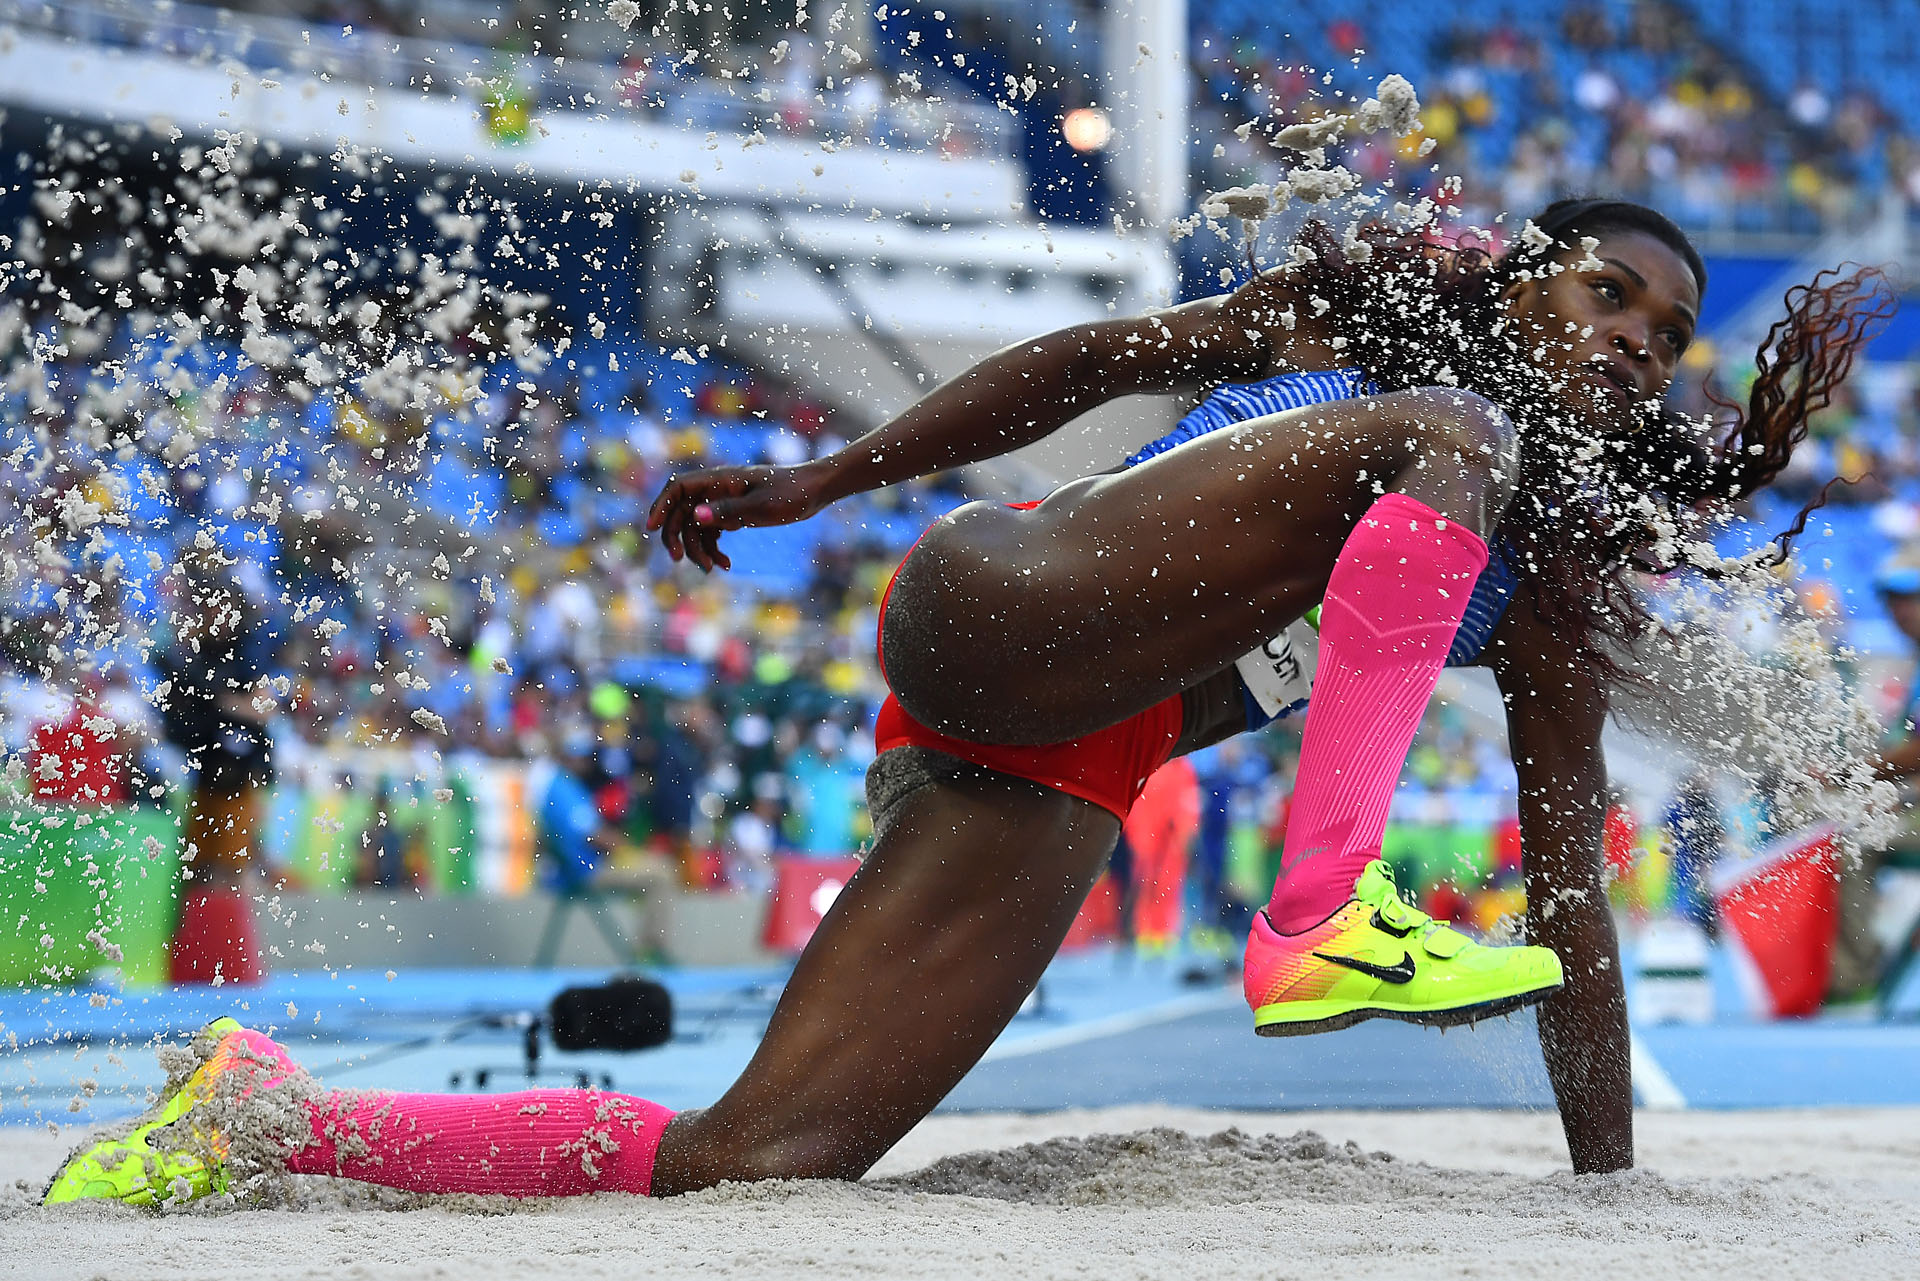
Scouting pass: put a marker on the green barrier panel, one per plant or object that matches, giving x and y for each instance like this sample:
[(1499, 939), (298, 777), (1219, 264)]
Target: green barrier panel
[(325, 846), (51, 902), (450, 831), (1435, 853), (1420, 856), (1423, 856), (321, 841), (147, 890), (1466, 854), (1652, 874), (62, 878), (1400, 850), (1247, 873)]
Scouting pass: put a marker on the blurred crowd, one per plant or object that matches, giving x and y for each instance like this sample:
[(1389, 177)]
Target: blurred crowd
[(1643, 105), (480, 584), (1635, 99)]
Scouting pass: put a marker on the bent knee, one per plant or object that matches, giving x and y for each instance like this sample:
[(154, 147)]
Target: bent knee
[(1468, 422), (1470, 432)]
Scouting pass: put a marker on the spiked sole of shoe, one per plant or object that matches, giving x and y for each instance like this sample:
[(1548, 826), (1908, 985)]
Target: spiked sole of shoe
[(1458, 1016)]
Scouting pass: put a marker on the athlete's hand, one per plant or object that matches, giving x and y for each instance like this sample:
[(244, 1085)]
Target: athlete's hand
[(693, 509), (1266, 304)]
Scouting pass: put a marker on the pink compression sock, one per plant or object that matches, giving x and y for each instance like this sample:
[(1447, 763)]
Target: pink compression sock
[(1394, 601), (536, 1143)]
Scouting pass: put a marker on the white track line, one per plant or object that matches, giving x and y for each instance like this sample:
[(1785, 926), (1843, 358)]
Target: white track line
[(1112, 1025), (1657, 1090)]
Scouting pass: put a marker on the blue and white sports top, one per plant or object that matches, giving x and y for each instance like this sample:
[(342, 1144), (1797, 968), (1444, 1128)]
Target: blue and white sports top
[(1234, 403)]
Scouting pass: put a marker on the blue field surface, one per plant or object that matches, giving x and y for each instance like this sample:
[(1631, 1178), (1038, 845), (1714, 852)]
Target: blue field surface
[(1106, 1029)]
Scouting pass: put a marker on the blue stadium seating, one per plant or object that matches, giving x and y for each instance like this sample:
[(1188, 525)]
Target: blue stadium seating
[(1864, 44)]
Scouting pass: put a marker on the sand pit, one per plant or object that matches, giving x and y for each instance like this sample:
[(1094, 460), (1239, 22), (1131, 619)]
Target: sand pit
[(1163, 1192)]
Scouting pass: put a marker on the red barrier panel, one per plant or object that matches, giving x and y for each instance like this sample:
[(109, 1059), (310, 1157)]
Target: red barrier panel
[(803, 890), (71, 763), (1780, 909)]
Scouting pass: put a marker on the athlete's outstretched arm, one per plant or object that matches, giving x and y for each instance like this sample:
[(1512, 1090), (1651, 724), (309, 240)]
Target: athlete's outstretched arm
[(1012, 398), (1556, 709)]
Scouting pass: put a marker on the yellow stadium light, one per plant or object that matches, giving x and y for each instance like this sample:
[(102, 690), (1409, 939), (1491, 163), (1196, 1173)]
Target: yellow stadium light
[(1087, 129)]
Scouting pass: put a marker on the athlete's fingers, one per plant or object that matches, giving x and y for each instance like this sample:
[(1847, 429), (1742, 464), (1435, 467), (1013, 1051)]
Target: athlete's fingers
[(700, 542), (677, 530), (722, 513), (687, 533), (676, 511), (704, 548), (673, 532), (669, 494), (693, 509)]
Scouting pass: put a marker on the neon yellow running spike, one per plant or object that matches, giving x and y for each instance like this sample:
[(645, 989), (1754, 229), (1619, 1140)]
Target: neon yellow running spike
[(131, 1169), (1377, 957)]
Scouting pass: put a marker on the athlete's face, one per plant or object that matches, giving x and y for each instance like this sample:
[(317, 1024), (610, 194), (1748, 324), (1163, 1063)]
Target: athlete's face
[(1617, 329)]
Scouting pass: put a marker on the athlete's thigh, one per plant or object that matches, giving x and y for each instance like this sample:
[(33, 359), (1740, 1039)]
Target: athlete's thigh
[(919, 964), (1119, 590)]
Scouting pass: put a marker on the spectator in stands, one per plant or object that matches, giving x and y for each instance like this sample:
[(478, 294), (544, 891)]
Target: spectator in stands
[(1584, 26), (675, 763), (1231, 776), (1696, 837), (380, 853), (1809, 106), (581, 854), (753, 837), (215, 711), (72, 754), (828, 793), (1520, 126), (573, 837), (1618, 832), (1159, 832)]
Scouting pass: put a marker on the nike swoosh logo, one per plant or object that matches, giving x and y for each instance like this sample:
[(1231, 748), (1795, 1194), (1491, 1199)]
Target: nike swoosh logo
[(1312, 851), (1401, 973)]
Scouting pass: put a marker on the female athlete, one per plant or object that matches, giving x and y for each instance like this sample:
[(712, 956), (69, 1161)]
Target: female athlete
[(1456, 458)]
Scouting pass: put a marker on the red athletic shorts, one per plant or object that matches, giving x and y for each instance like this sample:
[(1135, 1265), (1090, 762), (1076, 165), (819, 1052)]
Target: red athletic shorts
[(1109, 767)]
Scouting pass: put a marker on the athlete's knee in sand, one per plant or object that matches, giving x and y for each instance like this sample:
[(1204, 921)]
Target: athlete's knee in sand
[(702, 1149)]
